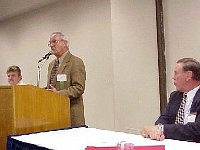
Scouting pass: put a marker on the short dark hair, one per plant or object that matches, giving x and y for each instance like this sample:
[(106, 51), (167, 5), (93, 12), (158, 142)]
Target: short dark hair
[(14, 69), (191, 64)]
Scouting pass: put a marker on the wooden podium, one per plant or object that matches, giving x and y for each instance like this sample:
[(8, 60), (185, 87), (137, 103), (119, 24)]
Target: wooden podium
[(26, 109)]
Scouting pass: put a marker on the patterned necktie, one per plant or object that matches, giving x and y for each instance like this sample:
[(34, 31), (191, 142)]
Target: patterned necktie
[(54, 71), (180, 114)]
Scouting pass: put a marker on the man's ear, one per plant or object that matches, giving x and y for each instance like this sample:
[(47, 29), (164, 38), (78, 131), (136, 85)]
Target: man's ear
[(66, 43), (189, 75)]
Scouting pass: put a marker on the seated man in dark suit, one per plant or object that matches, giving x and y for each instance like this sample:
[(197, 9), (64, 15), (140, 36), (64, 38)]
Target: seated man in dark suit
[(181, 118)]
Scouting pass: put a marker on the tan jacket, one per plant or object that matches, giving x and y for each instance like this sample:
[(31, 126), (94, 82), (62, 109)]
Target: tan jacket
[(74, 87)]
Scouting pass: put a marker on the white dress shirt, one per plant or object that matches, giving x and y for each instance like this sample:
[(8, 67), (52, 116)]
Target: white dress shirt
[(189, 100)]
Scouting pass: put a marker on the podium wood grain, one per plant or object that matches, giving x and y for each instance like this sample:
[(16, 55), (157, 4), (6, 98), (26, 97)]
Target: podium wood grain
[(27, 109)]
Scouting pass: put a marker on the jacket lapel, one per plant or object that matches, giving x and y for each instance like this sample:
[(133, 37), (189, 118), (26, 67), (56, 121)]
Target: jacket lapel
[(64, 63)]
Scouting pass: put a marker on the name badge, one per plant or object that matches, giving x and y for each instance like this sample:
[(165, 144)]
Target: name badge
[(61, 77), (192, 117)]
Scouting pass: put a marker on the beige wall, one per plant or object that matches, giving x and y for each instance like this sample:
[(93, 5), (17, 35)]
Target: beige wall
[(135, 63), (116, 40), (182, 33)]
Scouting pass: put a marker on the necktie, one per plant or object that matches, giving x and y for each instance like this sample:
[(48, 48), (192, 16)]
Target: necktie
[(180, 114), (54, 71)]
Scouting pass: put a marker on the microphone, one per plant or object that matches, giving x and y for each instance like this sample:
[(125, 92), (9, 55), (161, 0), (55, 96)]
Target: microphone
[(46, 56)]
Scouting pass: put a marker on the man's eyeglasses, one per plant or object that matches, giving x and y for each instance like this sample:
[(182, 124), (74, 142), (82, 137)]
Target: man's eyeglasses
[(54, 42)]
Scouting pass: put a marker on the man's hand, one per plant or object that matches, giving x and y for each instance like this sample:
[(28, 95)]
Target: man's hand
[(152, 132), (52, 89)]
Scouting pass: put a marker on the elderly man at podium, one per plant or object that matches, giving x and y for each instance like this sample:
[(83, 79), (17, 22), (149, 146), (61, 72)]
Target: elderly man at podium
[(66, 76), (14, 75)]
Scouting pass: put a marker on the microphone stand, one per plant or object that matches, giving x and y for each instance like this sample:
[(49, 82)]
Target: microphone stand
[(40, 64)]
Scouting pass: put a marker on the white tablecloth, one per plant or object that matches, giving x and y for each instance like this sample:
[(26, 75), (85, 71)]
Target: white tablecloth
[(80, 138)]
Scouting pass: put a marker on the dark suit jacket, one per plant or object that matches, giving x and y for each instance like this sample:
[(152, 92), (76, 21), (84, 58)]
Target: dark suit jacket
[(187, 132), (74, 87)]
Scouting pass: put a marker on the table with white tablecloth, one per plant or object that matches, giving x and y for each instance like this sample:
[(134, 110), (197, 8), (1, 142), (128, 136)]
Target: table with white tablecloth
[(80, 137)]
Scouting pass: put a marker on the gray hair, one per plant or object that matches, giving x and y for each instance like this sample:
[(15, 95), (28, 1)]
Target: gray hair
[(61, 35)]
